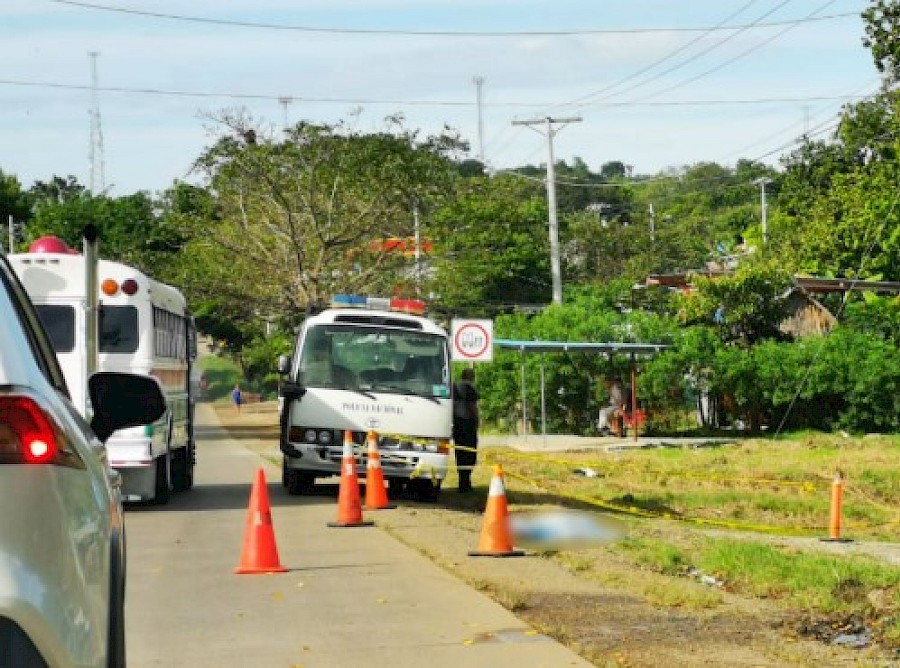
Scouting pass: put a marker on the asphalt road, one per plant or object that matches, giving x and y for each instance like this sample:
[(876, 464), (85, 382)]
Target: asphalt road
[(351, 597)]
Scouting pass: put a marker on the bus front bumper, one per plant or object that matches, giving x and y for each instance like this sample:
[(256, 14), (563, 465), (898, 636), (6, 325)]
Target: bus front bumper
[(326, 461)]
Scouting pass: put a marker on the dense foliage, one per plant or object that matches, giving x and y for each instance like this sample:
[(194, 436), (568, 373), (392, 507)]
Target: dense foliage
[(280, 220)]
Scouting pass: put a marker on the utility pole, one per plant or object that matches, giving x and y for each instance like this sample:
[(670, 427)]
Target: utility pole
[(652, 224), (418, 251), (98, 176), (548, 122), (285, 101), (479, 82), (762, 182), (12, 235)]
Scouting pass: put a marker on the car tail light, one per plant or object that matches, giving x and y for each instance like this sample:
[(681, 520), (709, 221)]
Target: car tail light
[(28, 435)]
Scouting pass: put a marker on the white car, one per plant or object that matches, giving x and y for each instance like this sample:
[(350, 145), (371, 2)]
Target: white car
[(62, 541)]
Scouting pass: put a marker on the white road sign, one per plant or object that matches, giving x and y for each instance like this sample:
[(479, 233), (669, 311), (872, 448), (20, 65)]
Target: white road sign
[(472, 340)]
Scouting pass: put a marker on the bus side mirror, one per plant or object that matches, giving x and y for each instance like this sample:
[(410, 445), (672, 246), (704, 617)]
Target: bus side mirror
[(284, 364), (122, 400), (291, 390)]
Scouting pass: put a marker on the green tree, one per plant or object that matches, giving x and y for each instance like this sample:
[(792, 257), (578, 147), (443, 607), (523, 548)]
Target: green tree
[(700, 214), (882, 20), (853, 229), (491, 247), (300, 217), (57, 190), (744, 308), (14, 201), (130, 229), (573, 380)]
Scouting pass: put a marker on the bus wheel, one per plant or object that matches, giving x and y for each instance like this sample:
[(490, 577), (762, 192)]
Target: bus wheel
[(425, 490), (298, 482), (396, 488), (287, 474), (161, 495)]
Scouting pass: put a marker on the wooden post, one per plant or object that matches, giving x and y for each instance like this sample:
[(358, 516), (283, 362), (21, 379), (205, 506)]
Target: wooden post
[(634, 404)]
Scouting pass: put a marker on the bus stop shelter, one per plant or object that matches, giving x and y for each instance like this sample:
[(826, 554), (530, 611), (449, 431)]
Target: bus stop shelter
[(632, 350)]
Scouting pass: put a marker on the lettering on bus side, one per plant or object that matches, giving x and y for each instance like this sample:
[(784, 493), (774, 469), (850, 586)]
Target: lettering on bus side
[(355, 407)]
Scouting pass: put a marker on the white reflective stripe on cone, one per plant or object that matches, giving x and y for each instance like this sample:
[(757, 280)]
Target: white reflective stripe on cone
[(497, 488)]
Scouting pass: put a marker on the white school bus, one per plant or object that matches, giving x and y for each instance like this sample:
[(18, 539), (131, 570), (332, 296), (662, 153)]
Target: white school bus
[(368, 364), (144, 328)]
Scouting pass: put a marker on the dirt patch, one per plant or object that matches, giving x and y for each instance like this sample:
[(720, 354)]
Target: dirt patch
[(607, 624)]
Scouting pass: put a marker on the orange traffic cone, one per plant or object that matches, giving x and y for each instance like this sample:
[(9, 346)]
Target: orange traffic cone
[(496, 539), (376, 494), (259, 554), (834, 525), (349, 508)]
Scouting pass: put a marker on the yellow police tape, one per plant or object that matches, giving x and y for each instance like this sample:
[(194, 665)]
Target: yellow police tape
[(806, 486), (656, 514)]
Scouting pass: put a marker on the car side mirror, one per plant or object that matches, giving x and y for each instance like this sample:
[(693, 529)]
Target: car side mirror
[(122, 400)]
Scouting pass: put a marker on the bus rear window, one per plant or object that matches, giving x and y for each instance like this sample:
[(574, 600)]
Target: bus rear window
[(59, 321), (118, 329)]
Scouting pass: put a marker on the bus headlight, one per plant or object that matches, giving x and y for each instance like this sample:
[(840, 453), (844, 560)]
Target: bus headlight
[(439, 446), (325, 437), (309, 436)]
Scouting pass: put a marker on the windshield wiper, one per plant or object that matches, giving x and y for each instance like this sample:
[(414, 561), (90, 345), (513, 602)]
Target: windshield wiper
[(406, 392), (358, 390)]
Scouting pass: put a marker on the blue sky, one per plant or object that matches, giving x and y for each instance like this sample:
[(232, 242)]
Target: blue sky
[(653, 88)]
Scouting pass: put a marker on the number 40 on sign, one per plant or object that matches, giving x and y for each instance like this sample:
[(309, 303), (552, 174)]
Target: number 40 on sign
[(472, 340)]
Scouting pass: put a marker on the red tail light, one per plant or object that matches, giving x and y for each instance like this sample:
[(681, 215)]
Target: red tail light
[(27, 435)]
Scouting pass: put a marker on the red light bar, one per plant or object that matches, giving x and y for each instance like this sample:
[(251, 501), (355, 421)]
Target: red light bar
[(400, 305), (411, 306)]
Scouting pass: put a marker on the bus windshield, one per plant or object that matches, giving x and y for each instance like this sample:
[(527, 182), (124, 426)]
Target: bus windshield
[(371, 358)]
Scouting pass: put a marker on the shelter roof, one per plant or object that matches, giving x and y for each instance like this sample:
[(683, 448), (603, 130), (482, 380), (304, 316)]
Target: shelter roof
[(582, 347), (809, 284)]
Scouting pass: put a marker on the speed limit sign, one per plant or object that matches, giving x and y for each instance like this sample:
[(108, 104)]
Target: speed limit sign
[(472, 340)]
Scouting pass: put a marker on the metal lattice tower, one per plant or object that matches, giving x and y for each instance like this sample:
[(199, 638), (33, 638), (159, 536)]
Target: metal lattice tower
[(98, 176)]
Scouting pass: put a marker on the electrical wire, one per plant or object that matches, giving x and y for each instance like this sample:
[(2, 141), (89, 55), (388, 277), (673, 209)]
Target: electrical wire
[(419, 33), (676, 52), (857, 94), (733, 59), (270, 97)]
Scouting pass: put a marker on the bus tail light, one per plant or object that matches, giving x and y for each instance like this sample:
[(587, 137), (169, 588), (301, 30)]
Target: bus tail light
[(29, 436), (110, 286)]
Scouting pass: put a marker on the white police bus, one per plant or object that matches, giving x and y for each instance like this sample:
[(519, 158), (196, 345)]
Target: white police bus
[(144, 328), (368, 364)]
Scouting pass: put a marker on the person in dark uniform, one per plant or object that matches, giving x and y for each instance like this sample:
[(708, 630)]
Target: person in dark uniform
[(465, 427)]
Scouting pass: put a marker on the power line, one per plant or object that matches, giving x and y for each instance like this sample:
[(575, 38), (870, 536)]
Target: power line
[(672, 54), (806, 128), (431, 33), (272, 97), (733, 59)]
